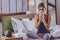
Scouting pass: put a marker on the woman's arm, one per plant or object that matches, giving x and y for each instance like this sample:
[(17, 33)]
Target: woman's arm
[(37, 23), (47, 25)]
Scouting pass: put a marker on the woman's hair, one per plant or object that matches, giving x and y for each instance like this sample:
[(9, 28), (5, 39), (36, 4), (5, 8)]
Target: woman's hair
[(41, 5)]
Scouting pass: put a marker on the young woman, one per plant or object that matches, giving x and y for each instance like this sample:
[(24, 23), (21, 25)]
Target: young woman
[(42, 20), (42, 23)]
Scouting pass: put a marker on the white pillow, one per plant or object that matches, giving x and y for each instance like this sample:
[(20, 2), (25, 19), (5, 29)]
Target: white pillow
[(17, 25), (56, 32), (52, 29), (29, 24)]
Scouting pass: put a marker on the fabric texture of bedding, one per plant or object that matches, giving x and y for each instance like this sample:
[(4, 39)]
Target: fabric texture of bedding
[(29, 24), (21, 28), (18, 27), (55, 31)]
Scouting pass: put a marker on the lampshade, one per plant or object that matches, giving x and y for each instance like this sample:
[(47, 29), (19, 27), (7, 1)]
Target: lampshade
[(31, 2)]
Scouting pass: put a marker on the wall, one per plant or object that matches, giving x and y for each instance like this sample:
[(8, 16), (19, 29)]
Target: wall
[(32, 8), (0, 30), (37, 3), (0, 6), (58, 11), (51, 12)]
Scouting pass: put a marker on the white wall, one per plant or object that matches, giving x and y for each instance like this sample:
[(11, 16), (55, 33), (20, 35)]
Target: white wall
[(53, 18)]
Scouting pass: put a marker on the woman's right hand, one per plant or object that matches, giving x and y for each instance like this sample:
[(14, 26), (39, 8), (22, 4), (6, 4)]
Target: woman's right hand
[(40, 17)]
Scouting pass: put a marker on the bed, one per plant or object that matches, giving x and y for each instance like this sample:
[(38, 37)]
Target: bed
[(55, 32), (21, 22), (29, 20)]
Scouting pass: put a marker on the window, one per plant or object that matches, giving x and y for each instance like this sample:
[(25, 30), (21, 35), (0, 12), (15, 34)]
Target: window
[(5, 6), (13, 6), (16, 6)]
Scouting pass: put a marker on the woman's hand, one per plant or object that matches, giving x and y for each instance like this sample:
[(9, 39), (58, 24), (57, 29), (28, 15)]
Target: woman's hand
[(40, 17), (43, 18), (44, 22)]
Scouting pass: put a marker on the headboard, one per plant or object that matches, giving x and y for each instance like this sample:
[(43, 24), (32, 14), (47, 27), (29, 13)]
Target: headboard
[(30, 16)]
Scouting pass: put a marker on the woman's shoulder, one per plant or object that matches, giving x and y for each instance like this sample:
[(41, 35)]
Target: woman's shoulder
[(36, 16), (47, 15)]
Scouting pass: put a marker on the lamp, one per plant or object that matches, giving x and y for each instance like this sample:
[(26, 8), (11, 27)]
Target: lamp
[(31, 2)]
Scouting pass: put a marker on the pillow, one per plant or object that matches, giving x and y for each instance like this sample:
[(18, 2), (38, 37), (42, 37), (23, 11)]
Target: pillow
[(56, 32), (17, 25), (29, 24), (52, 29)]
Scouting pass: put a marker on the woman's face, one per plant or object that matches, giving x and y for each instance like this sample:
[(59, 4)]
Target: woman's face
[(41, 9)]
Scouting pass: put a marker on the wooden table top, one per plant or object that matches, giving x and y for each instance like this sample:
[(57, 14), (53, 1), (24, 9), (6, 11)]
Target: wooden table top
[(11, 38)]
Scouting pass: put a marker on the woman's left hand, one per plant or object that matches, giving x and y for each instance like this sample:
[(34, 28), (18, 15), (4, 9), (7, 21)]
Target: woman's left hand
[(43, 18)]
